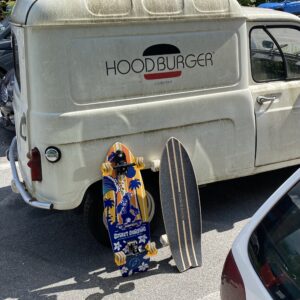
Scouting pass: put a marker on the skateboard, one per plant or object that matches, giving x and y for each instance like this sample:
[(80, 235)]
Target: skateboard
[(181, 207), (126, 210)]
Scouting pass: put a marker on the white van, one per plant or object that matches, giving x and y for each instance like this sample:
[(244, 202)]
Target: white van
[(223, 79)]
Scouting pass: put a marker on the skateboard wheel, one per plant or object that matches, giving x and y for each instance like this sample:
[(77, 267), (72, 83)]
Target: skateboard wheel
[(139, 161), (151, 249), (155, 165), (164, 240), (120, 258), (107, 169)]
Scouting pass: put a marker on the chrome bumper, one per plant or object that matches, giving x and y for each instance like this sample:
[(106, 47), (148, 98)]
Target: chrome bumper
[(18, 184)]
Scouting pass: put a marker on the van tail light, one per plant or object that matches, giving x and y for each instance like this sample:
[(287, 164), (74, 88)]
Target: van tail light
[(35, 164), (232, 285)]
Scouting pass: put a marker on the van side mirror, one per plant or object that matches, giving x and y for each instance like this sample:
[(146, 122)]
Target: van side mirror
[(268, 44)]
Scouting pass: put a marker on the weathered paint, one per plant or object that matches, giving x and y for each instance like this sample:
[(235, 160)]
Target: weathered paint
[(59, 12)]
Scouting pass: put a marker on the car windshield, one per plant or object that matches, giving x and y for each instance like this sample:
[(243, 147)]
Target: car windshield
[(274, 248)]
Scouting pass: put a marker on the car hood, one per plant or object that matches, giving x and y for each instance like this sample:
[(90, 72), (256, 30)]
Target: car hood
[(272, 5)]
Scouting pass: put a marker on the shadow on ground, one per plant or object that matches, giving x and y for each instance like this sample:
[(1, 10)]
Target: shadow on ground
[(40, 248), (226, 203)]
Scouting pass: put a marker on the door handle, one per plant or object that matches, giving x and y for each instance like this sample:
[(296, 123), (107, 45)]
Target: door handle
[(22, 124), (262, 99)]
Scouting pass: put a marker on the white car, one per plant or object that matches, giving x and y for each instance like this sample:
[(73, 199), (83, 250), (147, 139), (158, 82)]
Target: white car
[(264, 262)]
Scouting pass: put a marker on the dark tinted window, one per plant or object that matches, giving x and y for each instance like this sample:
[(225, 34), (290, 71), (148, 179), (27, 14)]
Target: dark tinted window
[(274, 248), (266, 59), (16, 59), (275, 53), (289, 41)]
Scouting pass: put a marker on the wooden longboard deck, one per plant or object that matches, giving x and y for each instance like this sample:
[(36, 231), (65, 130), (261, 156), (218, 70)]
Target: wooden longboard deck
[(126, 212), (181, 207)]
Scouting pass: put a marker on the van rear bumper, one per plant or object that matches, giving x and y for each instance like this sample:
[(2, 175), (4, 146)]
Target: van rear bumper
[(18, 185)]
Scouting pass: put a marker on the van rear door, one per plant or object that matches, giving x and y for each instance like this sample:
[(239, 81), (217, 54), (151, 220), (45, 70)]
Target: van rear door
[(20, 102)]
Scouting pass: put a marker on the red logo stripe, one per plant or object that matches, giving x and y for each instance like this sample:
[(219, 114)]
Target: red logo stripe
[(164, 75)]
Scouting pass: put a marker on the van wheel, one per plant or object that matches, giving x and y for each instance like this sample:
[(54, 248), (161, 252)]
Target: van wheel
[(151, 206), (92, 215), (151, 181)]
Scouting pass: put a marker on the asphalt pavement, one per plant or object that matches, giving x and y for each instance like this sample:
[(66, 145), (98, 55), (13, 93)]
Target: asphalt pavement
[(50, 255)]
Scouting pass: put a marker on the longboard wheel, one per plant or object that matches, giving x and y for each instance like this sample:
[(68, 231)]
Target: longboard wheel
[(120, 258), (139, 161), (155, 165), (107, 169), (164, 240), (151, 249)]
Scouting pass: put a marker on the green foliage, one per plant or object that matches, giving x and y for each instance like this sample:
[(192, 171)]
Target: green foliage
[(6, 8)]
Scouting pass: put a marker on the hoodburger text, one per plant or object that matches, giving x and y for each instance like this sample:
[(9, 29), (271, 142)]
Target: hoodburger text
[(159, 64)]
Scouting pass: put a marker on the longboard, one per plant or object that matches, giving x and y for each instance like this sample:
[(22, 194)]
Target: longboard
[(126, 210), (181, 206)]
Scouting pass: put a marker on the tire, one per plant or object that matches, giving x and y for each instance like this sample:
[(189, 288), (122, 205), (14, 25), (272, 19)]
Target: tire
[(92, 215), (151, 182), (151, 205), (93, 208)]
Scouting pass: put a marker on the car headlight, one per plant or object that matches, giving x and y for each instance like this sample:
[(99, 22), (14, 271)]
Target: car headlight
[(53, 154)]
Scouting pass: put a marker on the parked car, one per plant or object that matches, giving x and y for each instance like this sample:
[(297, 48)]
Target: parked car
[(6, 100), (6, 52), (264, 262), (5, 29), (290, 6), (6, 75)]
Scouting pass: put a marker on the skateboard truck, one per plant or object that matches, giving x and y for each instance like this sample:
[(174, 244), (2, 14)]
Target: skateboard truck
[(121, 164), (122, 168), (133, 247)]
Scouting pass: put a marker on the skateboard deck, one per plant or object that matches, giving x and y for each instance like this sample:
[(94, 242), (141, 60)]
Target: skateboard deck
[(181, 207), (126, 210)]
